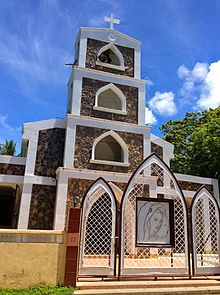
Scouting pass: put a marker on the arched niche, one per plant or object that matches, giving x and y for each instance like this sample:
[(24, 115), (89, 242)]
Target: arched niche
[(110, 149), (110, 56), (110, 98)]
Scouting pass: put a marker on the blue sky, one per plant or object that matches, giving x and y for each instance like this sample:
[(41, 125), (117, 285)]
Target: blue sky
[(180, 55)]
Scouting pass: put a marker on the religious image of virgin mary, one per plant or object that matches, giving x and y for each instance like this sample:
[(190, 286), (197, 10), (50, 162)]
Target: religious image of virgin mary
[(153, 223)]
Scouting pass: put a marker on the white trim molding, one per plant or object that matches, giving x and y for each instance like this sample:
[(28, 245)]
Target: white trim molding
[(102, 109), (106, 124), (120, 142), (111, 163), (12, 160), (103, 35), (168, 148), (119, 94), (103, 64)]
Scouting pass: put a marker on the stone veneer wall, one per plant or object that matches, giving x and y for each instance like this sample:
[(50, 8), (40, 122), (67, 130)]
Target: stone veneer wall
[(76, 190), (50, 151), (78, 187), (89, 90), (85, 136), (93, 47), (12, 169), (193, 186), (42, 207), (157, 149)]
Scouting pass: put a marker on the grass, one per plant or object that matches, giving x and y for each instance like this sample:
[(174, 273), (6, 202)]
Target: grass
[(39, 291)]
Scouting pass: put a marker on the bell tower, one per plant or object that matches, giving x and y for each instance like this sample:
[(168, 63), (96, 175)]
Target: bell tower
[(106, 103)]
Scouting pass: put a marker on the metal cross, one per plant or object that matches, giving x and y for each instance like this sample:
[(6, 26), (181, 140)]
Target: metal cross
[(112, 21)]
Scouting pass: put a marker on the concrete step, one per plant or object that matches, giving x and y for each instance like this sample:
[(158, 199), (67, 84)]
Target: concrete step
[(153, 291), (160, 287), (169, 283)]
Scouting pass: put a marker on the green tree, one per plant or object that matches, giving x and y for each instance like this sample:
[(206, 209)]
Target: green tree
[(196, 140), (8, 148)]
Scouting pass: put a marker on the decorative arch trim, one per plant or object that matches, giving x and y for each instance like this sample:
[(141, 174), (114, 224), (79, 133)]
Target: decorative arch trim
[(153, 159), (117, 52), (97, 185), (120, 95), (201, 192), (120, 142)]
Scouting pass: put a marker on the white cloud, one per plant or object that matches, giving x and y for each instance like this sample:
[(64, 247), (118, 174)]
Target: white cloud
[(201, 85), (199, 71), (163, 103), (149, 83), (210, 94), (4, 124), (183, 71), (149, 117)]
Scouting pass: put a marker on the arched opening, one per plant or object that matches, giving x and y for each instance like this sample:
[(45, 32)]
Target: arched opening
[(109, 57), (205, 216), (108, 149), (109, 99), (97, 243), (153, 185)]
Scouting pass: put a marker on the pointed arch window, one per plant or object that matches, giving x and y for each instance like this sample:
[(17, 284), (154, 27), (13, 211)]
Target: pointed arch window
[(111, 57), (110, 99), (110, 149)]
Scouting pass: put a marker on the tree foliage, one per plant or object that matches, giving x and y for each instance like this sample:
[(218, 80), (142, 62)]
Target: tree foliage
[(196, 140), (8, 148)]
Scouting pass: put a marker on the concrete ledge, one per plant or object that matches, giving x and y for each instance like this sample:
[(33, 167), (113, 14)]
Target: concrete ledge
[(202, 285), (157, 291), (31, 236), (12, 160), (162, 291), (85, 285)]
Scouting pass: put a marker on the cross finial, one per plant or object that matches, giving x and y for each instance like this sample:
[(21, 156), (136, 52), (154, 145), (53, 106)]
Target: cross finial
[(112, 21)]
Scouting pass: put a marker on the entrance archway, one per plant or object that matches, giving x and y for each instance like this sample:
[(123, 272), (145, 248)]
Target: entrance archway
[(98, 229), (205, 233), (153, 177)]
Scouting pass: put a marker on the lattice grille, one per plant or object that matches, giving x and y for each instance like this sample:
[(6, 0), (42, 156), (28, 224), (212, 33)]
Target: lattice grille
[(98, 233), (156, 259), (206, 233)]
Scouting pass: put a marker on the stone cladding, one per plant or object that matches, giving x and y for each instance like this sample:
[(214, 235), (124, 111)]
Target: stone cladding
[(12, 169), (89, 90), (42, 207), (76, 191), (193, 186), (78, 187), (85, 137), (93, 47), (50, 151), (157, 149)]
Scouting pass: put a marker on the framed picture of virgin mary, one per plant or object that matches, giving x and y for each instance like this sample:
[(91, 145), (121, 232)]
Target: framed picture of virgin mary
[(154, 222)]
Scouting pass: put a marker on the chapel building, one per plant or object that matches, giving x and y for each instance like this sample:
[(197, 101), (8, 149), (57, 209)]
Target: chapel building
[(103, 135)]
